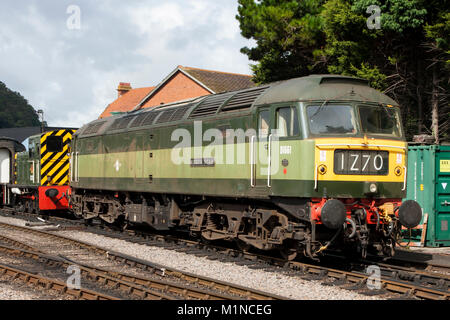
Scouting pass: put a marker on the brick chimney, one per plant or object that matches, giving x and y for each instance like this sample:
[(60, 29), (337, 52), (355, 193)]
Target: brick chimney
[(123, 88)]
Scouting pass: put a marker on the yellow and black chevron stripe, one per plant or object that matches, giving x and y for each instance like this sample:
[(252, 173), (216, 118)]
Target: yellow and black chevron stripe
[(55, 165)]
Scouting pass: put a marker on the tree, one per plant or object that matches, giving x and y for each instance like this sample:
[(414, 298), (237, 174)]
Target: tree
[(438, 44), (15, 110), (287, 34), (407, 58)]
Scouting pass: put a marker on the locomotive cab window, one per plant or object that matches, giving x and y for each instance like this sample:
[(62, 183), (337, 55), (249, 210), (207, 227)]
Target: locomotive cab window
[(331, 119), (287, 122), (54, 144), (380, 120), (264, 123), (30, 149)]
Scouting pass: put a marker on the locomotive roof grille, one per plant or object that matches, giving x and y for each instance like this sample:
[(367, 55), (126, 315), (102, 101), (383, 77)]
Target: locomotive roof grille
[(121, 123), (180, 112), (210, 105), (151, 117), (243, 100), (115, 124), (139, 120), (170, 115), (331, 79), (93, 128), (126, 121), (165, 116)]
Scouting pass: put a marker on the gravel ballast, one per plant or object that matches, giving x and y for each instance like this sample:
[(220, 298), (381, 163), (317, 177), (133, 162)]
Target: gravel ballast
[(287, 286), (10, 291)]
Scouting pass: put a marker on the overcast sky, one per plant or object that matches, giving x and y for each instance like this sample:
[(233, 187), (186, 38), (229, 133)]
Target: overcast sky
[(71, 70)]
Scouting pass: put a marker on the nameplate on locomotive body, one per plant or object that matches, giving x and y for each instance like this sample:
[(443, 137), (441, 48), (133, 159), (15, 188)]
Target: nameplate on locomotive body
[(203, 162), (361, 162)]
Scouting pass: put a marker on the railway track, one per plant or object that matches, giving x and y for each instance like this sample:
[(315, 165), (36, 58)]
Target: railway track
[(154, 285), (50, 284), (407, 282), (359, 280), (401, 281), (425, 278)]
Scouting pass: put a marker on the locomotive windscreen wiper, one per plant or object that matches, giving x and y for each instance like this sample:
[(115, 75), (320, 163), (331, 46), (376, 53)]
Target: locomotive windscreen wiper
[(319, 109)]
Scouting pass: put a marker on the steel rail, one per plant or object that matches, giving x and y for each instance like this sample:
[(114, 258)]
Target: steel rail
[(185, 291), (51, 284), (104, 277), (391, 285), (393, 268), (412, 274), (394, 286)]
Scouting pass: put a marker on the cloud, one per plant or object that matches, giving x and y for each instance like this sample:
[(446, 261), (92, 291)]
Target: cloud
[(72, 74)]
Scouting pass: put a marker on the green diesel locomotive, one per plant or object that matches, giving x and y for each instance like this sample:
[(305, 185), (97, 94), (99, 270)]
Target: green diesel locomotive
[(300, 165)]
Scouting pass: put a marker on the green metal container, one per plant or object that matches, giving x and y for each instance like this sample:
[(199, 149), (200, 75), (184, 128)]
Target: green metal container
[(428, 183)]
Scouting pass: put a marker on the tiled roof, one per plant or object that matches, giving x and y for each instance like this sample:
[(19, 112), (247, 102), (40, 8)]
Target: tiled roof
[(127, 101), (212, 81), (219, 81)]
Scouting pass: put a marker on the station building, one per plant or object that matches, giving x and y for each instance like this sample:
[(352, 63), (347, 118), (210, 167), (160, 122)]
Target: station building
[(182, 83)]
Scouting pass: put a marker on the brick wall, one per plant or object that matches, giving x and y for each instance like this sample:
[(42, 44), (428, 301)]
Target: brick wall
[(179, 87)]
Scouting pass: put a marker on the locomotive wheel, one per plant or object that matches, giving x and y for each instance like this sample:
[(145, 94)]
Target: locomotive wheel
[(120, 224), (389, 249), (206, 242), (123, 226), (27, 207), (20, 207), (288, 253), (35, 208), (243, 246)]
